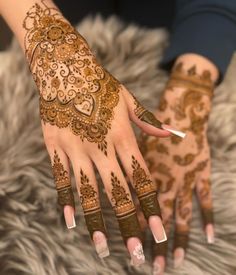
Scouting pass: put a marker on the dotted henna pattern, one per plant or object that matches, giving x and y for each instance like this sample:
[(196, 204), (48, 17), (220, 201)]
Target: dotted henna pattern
[(75, 91)]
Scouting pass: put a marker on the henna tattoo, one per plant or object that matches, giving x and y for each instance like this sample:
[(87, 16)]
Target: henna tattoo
[(164, 186), (145, 115), (185, 160), (75, 91), (125, 211), (146, 190), (185, 196), (62, 182), (191, 79), (181, 239), (91, 206)]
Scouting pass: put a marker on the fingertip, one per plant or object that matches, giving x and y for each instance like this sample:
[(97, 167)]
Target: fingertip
[(157, 229), (135, 249), (210, 233), (69, 216), (100, 242), (159, 265), (179, 254)]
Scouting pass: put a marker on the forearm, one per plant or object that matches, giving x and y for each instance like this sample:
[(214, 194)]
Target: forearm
[(15, 12)]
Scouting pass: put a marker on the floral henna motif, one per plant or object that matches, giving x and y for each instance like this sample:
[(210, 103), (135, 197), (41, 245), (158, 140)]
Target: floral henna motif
[(146, 190), (125, 211), (91, 206), (75, 91), (62, 181)]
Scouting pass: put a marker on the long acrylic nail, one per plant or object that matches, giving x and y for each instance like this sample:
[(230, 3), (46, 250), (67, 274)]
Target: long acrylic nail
[(158, 266), (210, 233), (69, 217), (136, 251), (157, 229), (100, 243), (178, 257), (173, 131)]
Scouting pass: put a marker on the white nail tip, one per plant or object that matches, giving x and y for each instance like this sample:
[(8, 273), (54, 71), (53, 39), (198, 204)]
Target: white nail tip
[(73, 224), (210, 239), (175, 132), (163, 240)]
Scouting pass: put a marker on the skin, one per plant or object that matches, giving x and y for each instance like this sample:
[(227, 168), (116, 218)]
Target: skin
[(182, 166), (67, 143)]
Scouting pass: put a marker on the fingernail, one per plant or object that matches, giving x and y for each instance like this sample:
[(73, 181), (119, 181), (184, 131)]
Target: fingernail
[(157, 229), (69, 217), (210, 233), (178, 257), (173, 131), (136, 252), (100, 243), (158, 266)]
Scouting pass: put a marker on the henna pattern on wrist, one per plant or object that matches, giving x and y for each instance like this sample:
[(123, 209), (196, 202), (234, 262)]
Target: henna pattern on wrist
[(75, 91), (146, 190), (91, 206), (62, 182), (125, 211)]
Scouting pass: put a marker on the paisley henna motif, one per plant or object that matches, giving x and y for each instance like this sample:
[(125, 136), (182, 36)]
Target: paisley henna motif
[(62, 182), (75, 91)]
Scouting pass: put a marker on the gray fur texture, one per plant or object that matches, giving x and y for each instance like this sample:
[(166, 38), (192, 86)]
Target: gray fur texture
[(33, 236)]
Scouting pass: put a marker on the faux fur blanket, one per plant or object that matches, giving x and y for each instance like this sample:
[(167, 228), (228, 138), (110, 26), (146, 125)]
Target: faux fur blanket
[(33, 236)]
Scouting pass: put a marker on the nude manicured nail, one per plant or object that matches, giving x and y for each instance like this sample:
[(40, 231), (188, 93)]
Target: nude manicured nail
[(69, 217), (158, 266), (136, 252), (178, 257), (173, 131), (157, 229), (100, 243), (210, 233)]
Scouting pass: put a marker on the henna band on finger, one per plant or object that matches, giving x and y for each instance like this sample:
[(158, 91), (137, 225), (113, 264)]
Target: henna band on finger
[(181, 240), (146, 191), (207, 216), (144, 115), (125, 211), (159, 249), (91, 206), (62, 181)]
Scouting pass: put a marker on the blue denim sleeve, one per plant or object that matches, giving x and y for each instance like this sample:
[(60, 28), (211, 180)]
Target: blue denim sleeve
[(204, 27)]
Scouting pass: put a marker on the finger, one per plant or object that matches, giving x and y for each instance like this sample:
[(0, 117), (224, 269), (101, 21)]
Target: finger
[(122, 203), (141, 181), (61, 174), (146, 120), (183, 215), (204, 195), (159, 251), (89, 197)]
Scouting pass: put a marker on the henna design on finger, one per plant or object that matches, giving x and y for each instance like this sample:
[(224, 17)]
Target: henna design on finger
[(75, 91), (206, 209), (181, 239), (91, 206), (146, 190), (145, 115), (62, 182), (125, 211)]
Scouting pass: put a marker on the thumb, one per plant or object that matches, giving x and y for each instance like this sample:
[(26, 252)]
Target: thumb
[(146, 120)]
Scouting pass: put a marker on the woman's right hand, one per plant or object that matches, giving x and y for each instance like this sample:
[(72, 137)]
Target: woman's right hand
[(85, 114)]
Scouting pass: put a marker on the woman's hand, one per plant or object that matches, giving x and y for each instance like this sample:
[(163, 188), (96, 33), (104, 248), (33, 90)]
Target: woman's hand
[(85, 114), (180, 166)]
